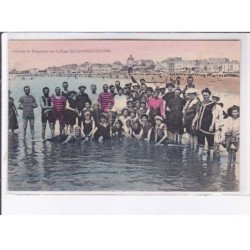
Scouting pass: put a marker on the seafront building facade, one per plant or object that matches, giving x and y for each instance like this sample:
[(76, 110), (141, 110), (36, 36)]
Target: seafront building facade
[(172, 65)]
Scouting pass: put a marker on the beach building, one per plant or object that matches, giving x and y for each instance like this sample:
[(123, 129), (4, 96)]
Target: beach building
[(147, 64), (117, 66), (231, 67)]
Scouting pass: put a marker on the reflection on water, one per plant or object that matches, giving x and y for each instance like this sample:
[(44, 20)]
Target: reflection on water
[(127, 165), (120, 166)]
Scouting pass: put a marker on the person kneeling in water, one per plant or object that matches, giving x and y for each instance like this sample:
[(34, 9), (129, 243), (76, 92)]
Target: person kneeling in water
[(161, 133), (136, 130), (103, 129), (76, 136), (117, 131), (88, 126), (146, 129)]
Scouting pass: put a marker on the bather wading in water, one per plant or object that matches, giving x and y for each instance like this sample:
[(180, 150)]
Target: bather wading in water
[(145, 116)]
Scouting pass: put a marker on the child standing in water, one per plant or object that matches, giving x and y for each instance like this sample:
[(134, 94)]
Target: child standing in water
[(232, 133), (219, 120)]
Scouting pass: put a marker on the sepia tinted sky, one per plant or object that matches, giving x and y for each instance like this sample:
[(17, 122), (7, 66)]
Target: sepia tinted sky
[(113, 51)]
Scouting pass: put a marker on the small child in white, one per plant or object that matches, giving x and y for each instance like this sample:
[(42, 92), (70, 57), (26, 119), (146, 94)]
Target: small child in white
[(232, 133)]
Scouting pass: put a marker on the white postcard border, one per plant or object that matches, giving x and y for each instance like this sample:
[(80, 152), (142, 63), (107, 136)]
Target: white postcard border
[(131, 202)]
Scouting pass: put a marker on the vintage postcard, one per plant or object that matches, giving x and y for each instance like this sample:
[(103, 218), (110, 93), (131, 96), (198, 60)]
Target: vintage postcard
[(123, 114)]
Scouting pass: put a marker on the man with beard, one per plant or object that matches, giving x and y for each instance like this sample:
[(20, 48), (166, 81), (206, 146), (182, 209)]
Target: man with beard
[(93, 96), (81, 100), (47, 112), (204, 122)]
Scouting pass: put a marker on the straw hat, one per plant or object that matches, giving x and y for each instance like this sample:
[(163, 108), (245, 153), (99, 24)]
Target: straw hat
[(216, 95), (158, 118), (81, 87), (192, 91)]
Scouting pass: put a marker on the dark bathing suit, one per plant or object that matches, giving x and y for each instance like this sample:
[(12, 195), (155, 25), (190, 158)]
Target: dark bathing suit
[(70, 115), (103, 131), (13, 124), (136, 131), (175, 115), (117, 133), (87, 127), (48, 116)]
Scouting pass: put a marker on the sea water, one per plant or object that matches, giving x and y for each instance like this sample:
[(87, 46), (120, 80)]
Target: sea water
[(127, 165)]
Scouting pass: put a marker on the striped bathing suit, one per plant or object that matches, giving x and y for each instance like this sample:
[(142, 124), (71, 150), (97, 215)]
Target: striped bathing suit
[(59, 103), (104, 99)]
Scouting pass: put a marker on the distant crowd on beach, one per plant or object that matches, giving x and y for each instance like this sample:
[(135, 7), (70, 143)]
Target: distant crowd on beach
[(159, 115)]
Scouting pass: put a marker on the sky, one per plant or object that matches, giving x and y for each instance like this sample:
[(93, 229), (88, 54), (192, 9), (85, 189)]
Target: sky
[(23, 54)]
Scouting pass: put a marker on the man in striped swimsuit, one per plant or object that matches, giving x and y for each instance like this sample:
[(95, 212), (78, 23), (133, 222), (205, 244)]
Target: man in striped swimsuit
[(59, 103), (104, 98)]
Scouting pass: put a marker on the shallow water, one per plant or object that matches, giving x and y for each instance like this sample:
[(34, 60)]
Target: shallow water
[(127, 165)]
